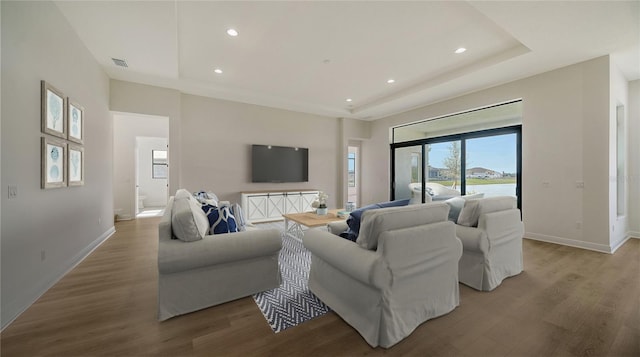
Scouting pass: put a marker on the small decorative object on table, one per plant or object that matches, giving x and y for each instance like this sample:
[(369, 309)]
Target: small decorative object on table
[(350, 206), (320, 204)]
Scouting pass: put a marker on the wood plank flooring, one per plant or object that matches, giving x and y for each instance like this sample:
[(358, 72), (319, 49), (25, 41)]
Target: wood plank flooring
[(568, 302)]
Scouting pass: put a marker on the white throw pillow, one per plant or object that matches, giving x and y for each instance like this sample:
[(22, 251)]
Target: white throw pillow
[(455, 207), (472, 209), (239, 215), (182, 193), (470, 213), (188, 221)]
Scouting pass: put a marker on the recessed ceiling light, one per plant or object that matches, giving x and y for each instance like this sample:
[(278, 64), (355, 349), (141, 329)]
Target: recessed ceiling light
[(232, 32), (349, 100), (460, 50), (218, 71), (391, 80)]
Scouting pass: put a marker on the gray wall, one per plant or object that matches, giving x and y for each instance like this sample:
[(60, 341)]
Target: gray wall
[(60, 225), (215, 138)]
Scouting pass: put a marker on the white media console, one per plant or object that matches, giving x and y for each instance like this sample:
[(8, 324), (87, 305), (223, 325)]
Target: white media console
[(267, 206)]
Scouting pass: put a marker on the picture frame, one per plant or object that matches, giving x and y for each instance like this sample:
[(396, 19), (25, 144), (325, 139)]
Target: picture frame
[(75, 121), (75, 165), (53, 111), (53, 163)]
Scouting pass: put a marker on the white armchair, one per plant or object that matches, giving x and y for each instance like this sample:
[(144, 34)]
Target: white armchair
[(401, 271), (492, 250), (440, 192)]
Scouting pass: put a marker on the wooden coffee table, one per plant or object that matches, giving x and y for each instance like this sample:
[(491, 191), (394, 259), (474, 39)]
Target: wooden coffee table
[(309, 220)]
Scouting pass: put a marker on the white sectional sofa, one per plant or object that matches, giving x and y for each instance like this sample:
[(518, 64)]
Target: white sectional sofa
[(197, 274)]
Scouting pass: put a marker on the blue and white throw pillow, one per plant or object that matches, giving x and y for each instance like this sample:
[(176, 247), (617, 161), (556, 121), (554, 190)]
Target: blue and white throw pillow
[(221, 219), (206, 197), (354, 217)]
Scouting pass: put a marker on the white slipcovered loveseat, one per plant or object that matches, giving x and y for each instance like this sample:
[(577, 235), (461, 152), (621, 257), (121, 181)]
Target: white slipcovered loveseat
[(401, 271), (197, 274)]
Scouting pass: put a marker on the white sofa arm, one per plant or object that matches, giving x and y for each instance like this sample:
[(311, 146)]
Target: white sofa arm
[(337, 227), (175, 255), (473, 239), (363, 265), (502, 226)]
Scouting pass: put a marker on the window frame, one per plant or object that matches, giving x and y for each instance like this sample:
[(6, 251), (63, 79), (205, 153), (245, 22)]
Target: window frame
[(462, 137)]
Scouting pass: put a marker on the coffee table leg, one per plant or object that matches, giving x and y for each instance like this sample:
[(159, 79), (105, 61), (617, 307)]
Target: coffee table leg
[(295, 230)]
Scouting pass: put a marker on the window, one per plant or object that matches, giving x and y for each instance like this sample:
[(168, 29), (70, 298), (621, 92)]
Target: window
[(489, 159), (351, 162), (159, 164)]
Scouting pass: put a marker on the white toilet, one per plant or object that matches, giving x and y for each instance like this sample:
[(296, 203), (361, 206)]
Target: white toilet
[(141, 202)]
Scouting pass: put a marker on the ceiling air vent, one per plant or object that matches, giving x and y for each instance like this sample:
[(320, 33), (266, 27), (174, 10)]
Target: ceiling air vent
[(120, 62)]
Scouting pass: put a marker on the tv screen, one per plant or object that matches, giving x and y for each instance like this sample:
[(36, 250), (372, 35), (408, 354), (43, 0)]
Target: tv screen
[(279, 164)]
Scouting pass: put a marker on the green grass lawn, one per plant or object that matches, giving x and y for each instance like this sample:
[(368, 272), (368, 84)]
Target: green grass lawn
[(479, 181)]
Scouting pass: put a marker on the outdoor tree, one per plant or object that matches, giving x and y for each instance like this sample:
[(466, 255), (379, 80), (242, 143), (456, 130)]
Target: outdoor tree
[(452, 163)]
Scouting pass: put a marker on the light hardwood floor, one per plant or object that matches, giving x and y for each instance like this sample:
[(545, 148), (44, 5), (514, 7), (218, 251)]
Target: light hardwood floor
[(568, 302)]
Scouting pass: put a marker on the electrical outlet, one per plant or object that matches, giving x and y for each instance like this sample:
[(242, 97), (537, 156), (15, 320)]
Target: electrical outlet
[(13, 191), (579, 184), (43, 255)]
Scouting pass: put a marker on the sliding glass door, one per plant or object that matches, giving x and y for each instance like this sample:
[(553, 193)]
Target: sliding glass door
[(483, 162), (492, 165)]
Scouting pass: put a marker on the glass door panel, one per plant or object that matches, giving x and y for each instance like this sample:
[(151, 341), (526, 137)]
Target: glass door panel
[(491, 165), (408, 170), (352, 175), (444, 163)]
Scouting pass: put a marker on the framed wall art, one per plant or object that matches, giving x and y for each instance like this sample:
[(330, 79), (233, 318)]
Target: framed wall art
[(75, 165), (53, 111), (75, 121), (54, 173)]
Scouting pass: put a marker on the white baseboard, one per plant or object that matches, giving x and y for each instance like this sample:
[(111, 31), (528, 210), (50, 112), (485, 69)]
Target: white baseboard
[(16, 308), (602, 248)]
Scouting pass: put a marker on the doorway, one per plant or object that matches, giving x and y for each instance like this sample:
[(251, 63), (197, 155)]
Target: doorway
[(151, 176), (132, 135)]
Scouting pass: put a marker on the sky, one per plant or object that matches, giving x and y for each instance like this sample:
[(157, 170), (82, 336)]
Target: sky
[(496, 153)]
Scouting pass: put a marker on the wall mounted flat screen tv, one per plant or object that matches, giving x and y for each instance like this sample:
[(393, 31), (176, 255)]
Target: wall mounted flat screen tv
[(271, 163)]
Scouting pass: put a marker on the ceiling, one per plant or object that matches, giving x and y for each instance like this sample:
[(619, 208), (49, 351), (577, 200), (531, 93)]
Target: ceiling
[(312, 56)]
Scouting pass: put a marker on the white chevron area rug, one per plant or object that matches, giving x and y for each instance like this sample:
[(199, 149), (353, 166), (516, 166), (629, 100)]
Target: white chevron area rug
[(292, 303)]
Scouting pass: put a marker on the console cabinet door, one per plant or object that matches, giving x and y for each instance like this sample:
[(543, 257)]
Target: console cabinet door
[(306, 199), (256, 208), (293, 202), (275, 205)]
